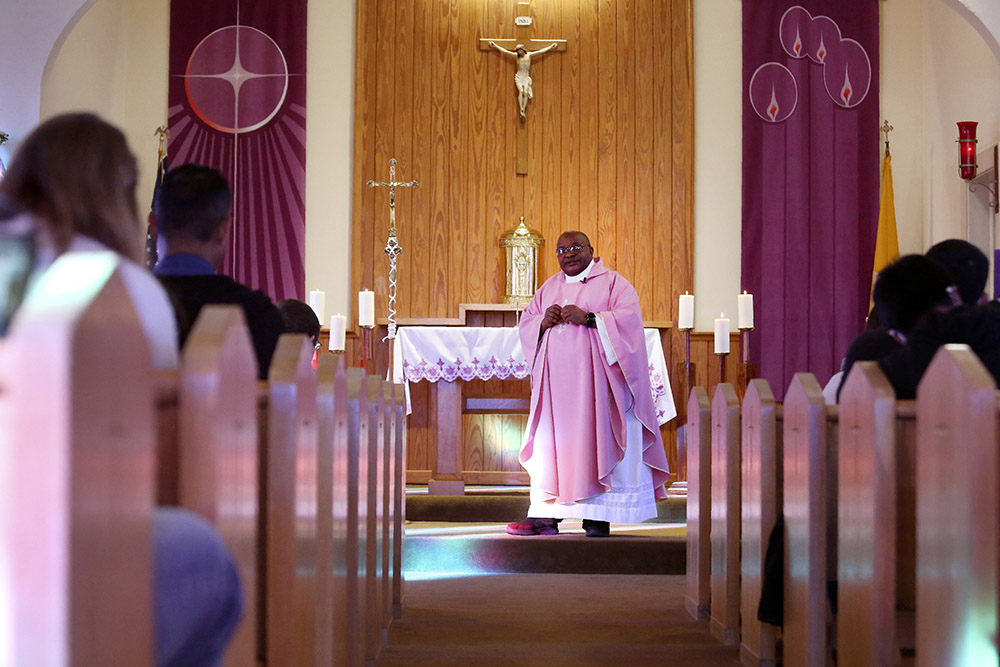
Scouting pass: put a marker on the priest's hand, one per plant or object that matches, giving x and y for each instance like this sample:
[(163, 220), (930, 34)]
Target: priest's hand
[(553, 316), (574, 314)]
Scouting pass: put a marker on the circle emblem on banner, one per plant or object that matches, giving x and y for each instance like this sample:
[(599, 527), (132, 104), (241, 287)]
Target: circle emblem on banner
[(236, 79), (773, 92)]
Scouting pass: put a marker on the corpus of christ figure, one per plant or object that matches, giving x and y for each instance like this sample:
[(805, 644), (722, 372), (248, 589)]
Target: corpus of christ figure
[(522, 78)]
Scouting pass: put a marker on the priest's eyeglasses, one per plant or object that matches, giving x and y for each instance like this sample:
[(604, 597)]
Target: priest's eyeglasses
[(576, 247)]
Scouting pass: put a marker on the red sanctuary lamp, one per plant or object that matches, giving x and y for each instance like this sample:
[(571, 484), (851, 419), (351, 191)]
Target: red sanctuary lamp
[(967, 149)]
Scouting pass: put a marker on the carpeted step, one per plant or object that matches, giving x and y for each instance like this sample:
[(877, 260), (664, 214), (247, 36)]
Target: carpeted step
[(637, 549), (504, 507)]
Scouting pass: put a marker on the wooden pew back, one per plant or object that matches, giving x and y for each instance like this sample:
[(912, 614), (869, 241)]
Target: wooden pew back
[(957, 511), (331, 426), (373, 552), (217, 457), (809, 470), (725, 530), (355, 543), (698, 435), (290, 493), (866, 556), (761, 506), (398, 498), (385, 502), (77, 477)]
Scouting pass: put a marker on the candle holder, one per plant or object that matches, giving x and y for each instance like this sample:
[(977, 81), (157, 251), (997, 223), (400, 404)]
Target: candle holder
[(686, 368), (745, 371), (722, 365), (686, 380), (366, 333)]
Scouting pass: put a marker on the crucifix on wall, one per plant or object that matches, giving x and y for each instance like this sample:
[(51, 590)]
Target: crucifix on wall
[(522, 48)]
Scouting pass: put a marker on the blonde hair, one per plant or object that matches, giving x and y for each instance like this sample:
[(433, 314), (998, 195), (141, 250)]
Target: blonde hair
[(76, 174)]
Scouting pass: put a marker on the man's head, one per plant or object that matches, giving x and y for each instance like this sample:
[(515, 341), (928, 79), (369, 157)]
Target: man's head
[(574, 252), (192, 210), (908, 289), (967, 265)]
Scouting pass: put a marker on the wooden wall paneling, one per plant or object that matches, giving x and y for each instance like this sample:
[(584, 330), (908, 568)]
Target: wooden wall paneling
[(420, 140), (442, 172), (472, 442), (625, 123), (382, 150), (494, 164), (408, 62), (418, 427), (662, 232), (569, 157), (514, 426), (608, 109), (477, 141), (463, 50), (681, 157), (644, 222), (553, 109), (587, 172), (607, 165), (365, 105), (493, 442)]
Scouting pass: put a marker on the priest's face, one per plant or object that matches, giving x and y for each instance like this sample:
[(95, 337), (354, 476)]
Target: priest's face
[(574, 253)]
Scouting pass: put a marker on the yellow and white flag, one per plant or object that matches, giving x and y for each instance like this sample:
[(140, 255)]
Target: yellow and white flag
[(887, 242)]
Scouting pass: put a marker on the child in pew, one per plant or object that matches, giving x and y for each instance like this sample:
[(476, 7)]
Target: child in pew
[(961, 318), (905, 291), (299, 317), (71, 187)]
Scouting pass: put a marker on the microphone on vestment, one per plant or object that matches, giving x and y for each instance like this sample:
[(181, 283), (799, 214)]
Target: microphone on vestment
[(584, 281)]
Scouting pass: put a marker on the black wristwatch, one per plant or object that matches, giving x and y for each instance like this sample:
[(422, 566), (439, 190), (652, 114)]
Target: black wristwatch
[(591, 321)]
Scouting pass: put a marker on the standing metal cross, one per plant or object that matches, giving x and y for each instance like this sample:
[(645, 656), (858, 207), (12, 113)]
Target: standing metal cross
[(392, 247)]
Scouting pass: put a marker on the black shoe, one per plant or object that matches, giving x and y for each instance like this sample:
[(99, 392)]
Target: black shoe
[(596, 528)]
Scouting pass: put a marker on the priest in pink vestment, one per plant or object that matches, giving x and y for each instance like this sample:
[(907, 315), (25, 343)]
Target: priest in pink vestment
[(592, 446)]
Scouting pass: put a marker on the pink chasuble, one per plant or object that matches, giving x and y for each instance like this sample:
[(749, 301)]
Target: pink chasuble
[(576, 431)]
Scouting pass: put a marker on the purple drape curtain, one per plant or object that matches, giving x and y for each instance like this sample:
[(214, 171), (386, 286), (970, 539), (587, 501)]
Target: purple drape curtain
[(810, 179), (237, 102)]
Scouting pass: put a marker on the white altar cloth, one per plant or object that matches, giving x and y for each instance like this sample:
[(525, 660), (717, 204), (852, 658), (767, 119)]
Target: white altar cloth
[(450, 353)]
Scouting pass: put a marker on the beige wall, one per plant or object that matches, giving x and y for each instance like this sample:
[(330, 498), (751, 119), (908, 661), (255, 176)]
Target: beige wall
[(114, 63), (936, 70)]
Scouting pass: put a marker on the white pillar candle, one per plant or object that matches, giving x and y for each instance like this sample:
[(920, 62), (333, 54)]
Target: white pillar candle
[(745, 310), (722, 334), (338, 332), (685, 311), (317, 301), (366, 308)]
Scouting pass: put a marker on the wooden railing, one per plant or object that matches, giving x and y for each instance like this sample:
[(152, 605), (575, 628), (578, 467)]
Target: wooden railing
[(301, 476), (890, 506)]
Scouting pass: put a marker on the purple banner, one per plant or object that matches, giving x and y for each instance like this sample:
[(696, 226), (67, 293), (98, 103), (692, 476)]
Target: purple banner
[(810, 179), (237, 102)]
